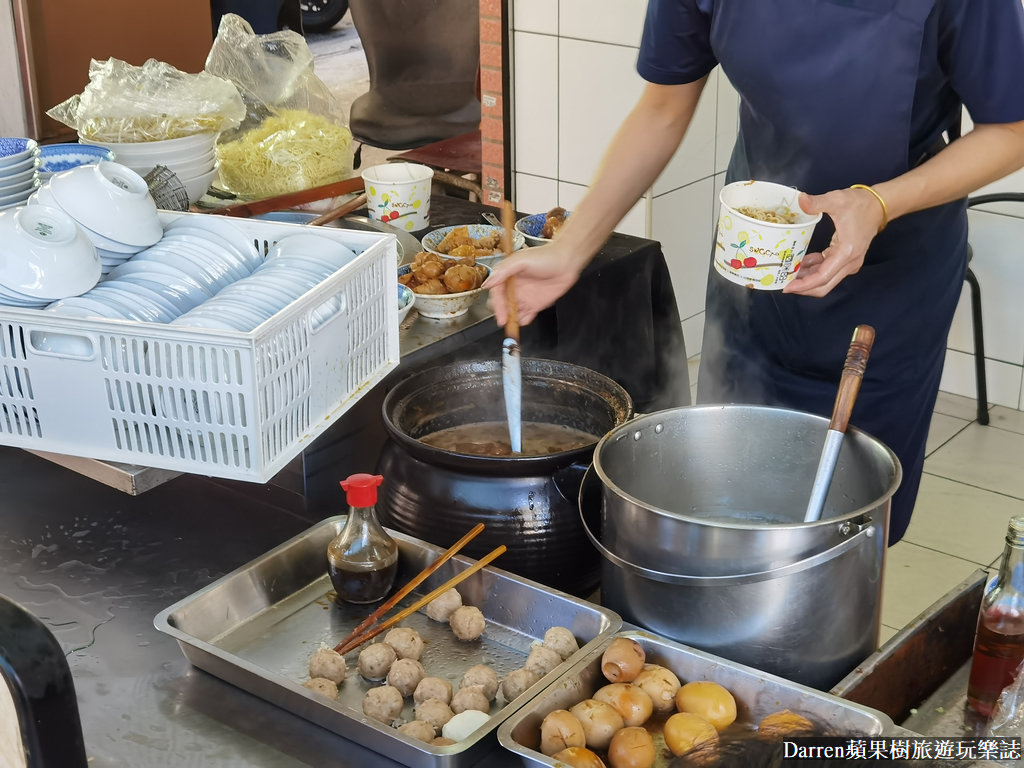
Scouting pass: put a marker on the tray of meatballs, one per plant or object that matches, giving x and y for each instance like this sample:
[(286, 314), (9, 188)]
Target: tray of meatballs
[(431, 690)]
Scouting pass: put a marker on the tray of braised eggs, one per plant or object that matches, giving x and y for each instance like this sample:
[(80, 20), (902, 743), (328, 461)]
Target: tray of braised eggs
[(637, 700), (431, 691)]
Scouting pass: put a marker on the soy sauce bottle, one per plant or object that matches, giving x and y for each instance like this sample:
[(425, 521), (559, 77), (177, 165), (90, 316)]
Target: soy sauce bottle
[(999, 642), (363, 559)]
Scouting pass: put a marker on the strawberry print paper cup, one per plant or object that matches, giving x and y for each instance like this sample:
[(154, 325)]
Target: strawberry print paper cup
[(762, 234), (399, 194)]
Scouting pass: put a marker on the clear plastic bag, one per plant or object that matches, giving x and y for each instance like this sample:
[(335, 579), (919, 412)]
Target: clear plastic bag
[(294, 135), (1007, 719), (124, 103)]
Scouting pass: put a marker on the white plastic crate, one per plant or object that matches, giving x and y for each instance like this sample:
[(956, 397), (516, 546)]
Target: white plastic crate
[(218, 403)]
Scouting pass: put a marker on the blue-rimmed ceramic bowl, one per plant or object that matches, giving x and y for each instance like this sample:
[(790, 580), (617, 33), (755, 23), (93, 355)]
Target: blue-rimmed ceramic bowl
[(55, 158), (445, 305), (16, 149), (432, 240), (530, 228)]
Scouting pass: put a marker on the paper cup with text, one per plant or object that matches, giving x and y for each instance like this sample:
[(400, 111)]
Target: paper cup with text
[(762, 234), (399, 194)]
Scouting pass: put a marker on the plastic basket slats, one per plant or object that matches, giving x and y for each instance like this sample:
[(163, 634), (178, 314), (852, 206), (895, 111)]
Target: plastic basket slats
[(223, 404)]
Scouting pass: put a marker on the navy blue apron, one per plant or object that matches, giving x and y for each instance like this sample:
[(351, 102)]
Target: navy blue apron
[(820, 111)]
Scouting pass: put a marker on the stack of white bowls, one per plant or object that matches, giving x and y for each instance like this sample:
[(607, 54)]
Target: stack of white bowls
[(193, 159), (44, 256), (19, 175), (112, 205)]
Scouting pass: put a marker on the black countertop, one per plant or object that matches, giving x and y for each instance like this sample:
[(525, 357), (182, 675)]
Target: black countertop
[(95, 565)]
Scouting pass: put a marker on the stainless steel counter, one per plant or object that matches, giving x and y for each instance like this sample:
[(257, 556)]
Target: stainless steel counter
[(96, 566)]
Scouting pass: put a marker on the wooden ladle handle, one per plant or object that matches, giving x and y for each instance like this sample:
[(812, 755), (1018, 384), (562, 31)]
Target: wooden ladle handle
[(853, 374)]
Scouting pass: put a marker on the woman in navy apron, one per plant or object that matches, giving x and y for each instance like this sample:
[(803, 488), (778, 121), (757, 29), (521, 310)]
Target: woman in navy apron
[(833, 93)]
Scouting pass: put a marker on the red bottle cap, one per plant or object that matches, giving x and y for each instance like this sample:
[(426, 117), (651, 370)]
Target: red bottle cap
[(361, 490)]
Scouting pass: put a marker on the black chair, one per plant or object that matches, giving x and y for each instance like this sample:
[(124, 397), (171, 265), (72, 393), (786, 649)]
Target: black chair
[(972, 282), (34, 668)]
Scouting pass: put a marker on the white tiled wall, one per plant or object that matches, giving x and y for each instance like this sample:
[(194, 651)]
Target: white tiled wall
[(574, 80)]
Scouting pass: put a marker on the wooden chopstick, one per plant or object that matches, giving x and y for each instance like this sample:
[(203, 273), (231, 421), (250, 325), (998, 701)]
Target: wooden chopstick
[(347, 207), (508, 218), (406, 612), (392, 601)]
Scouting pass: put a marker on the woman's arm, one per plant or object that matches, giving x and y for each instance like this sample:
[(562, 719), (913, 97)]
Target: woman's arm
[(986, 154), (639, 151)]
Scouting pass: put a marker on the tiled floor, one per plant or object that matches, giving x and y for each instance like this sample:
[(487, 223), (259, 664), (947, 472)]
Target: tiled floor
[(973, 483)]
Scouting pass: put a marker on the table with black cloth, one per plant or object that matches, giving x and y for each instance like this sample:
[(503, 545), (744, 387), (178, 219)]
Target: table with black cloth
[(620, 319)]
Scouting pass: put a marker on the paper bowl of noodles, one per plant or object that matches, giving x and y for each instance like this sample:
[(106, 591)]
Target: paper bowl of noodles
[(762, 234), (434, 287)]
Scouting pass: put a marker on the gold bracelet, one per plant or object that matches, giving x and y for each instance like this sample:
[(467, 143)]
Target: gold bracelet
[(881, 202)]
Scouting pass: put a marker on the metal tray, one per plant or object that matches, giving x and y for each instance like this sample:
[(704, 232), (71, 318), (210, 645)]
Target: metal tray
[(757, 694), (258, 626)]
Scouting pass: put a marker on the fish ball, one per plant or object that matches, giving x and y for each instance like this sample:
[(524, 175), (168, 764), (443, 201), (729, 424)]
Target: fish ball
[(443, 606), (517, 681), (631, 747), (629, 700), (600, 721), (442, 741), (578, 757), (323, 686), (470, 698), (561, 729), (418, 729), (561, 641), (542, 660), (467, 622), (434, 711), (405, 675), (464, 723), (406, 641), (661, 684), (327, 662), (433, 688), (375, 661), (383, 703), (482, 675), (622, 660)]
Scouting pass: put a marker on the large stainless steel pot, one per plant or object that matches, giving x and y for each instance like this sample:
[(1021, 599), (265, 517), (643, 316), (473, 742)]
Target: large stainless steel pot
[(811, 621), (721, 490), (528, 503)]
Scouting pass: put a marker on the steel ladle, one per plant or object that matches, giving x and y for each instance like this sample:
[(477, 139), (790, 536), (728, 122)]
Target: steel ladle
[(849, 386), (511, 370)]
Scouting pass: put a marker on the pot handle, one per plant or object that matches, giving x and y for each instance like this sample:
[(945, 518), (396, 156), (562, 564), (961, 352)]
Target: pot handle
[(842, 548), (568, 480)]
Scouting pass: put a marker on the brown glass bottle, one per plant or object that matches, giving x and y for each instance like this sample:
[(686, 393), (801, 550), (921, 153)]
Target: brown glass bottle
[(362, 560), (999, 643)]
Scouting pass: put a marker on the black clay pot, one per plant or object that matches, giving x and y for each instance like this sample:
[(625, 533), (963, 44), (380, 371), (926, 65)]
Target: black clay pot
[(527, 503)]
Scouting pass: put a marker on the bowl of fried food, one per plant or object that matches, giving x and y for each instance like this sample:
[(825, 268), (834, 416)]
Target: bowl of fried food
[(483, 242), (444, 287), (540, 228)]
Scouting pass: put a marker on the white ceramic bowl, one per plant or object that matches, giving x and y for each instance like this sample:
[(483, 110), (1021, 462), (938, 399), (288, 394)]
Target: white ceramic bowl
[(446, 305), (16, 181), (197, 186), (406, 301), (31, 164), (18, 196), (16, 150), (194, 145), (111, 200), (186, 169), (46, 254)]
